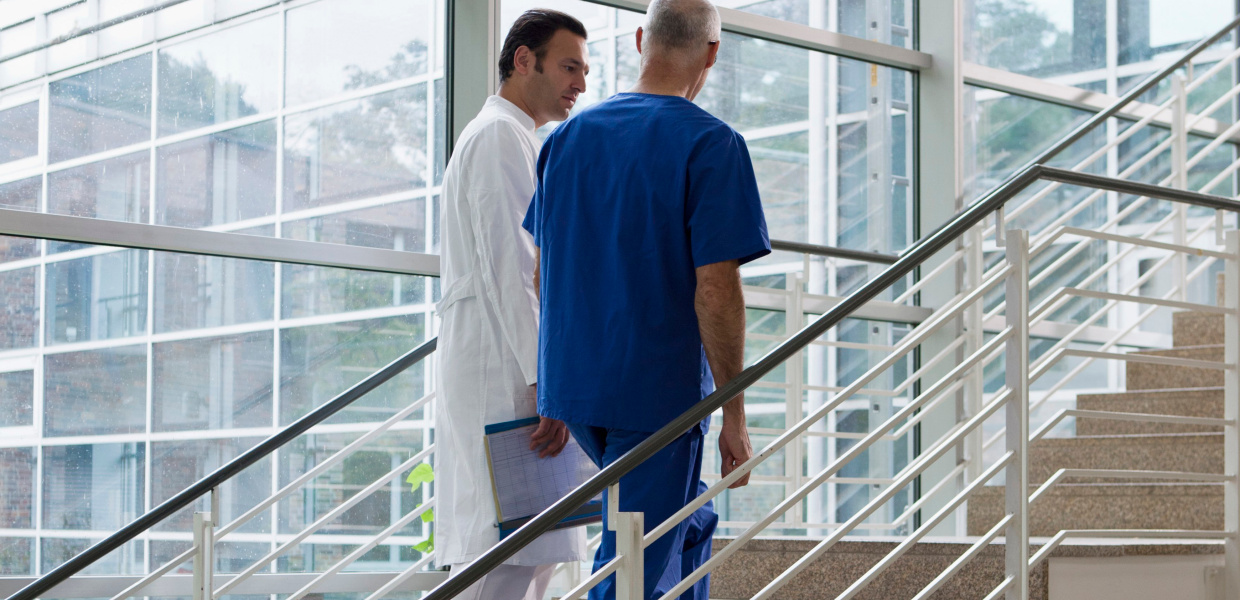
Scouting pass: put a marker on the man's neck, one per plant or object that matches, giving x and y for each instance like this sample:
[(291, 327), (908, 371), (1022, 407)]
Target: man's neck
[(512, 93), (662, 81)]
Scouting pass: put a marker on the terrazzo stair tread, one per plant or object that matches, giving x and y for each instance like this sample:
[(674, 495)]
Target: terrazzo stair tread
[(747, 571), (1192, 402), (1188, 452), (761, 560), (1194, 506), (1195, 328), (1146, 376)]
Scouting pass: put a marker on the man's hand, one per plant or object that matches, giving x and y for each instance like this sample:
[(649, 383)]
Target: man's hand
[(551, 436), (734, 447)]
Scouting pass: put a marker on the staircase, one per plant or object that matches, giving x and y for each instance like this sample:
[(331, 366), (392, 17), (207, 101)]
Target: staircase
[(1097, 503)]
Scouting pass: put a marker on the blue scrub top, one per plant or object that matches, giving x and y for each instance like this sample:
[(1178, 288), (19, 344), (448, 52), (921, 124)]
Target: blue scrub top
[(633, 194)]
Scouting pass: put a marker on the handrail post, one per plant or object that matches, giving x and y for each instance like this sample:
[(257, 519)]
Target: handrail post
[(1231, 412), (1017, 375), (204, 541), (1179, 169), (630, 531)]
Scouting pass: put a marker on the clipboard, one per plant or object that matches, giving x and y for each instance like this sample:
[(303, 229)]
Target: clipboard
[(523, 485)]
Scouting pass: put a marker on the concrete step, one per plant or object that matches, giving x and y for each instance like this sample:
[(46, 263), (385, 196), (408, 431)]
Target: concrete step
[(1193, 328), (750, 569), (1195, 402), (1145, 376), (1107, 506), (1190, 452)]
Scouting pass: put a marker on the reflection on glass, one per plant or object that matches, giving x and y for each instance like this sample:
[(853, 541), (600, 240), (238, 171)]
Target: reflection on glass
[(216, 179), (367, 147), (105, 108), (16, 556), (19, 319), (17, 493), (229, 74), (336, 45), (22, 194), (1148, 28), (19, 132), (1037, 37), (93, 486), (756, 83), (183, 463), (97, 297), (203, 291), (95, 392), (342, 481), (116, 189), (126, 560), (16, 402), (215, 383), (320, 361), (319, 290)]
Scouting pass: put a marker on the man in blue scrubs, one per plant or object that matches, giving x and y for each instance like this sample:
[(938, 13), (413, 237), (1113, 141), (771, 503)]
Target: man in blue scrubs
[(645, 207)]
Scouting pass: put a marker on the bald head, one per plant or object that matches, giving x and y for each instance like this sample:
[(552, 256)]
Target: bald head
[(681, 25)]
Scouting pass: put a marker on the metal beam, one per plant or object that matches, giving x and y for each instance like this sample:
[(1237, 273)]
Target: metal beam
[(804, 36), (214, 243), (95, 586), (1075, 97)]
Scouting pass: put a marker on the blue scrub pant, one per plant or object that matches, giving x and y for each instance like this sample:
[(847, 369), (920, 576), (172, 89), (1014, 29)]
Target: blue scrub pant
[(659, 487)]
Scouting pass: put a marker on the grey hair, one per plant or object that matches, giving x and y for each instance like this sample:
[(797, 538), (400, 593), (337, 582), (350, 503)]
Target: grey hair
[(681, 24)]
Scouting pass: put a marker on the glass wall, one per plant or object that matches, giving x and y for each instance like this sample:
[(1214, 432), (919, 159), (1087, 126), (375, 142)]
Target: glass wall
[(126, 375)]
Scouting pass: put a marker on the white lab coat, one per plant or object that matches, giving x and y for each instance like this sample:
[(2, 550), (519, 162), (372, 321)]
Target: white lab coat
[(488, 337)]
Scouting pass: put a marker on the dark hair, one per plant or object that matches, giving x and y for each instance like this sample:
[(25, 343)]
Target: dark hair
[(534, 29)]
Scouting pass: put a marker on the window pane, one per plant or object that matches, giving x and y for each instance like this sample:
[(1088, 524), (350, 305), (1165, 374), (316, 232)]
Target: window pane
[(20, 37), (93, 486), (97, 297), (126, 560), (95, 392), (219, 178), (16, 401), (106, 108), (19, 132), (220, 77), (183, 463), (22, 194), (1036, 37), (343, 481), (192, 292), (336, 45), (15, 556), (320, 361), (319, 290), (116, 189), (216, 383), (1152, 27), (19, 319), (17, 491), (366, 147)]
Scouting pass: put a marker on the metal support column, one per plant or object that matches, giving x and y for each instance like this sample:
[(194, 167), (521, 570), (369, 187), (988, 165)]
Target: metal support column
[(630, 529), (1017, 374), (472, 73), (1179, 169)]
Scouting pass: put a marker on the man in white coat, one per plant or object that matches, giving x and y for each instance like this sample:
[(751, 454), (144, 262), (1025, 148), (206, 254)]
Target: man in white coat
[(488, 339)]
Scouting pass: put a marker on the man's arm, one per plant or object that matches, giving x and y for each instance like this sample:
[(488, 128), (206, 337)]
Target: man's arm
[(551, 433), (720, 307)]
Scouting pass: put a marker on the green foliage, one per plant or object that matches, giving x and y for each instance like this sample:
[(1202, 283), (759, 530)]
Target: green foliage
[(421, 474)]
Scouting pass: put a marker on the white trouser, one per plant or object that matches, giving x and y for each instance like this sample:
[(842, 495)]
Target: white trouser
[(507, 582)]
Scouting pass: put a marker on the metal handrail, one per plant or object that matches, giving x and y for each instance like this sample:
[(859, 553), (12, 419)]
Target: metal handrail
[(833, 252), (200, 488), (909, 260)]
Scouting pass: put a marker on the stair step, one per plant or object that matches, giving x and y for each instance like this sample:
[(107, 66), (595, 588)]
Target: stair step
[(1145, 376), (1194, 402), (1190, 452), (750, 569), (1193, 328), (1107, 506)]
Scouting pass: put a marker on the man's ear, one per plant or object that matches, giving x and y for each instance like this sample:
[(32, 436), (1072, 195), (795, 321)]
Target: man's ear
[(523, 60), (639, 40), (712, 54)]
